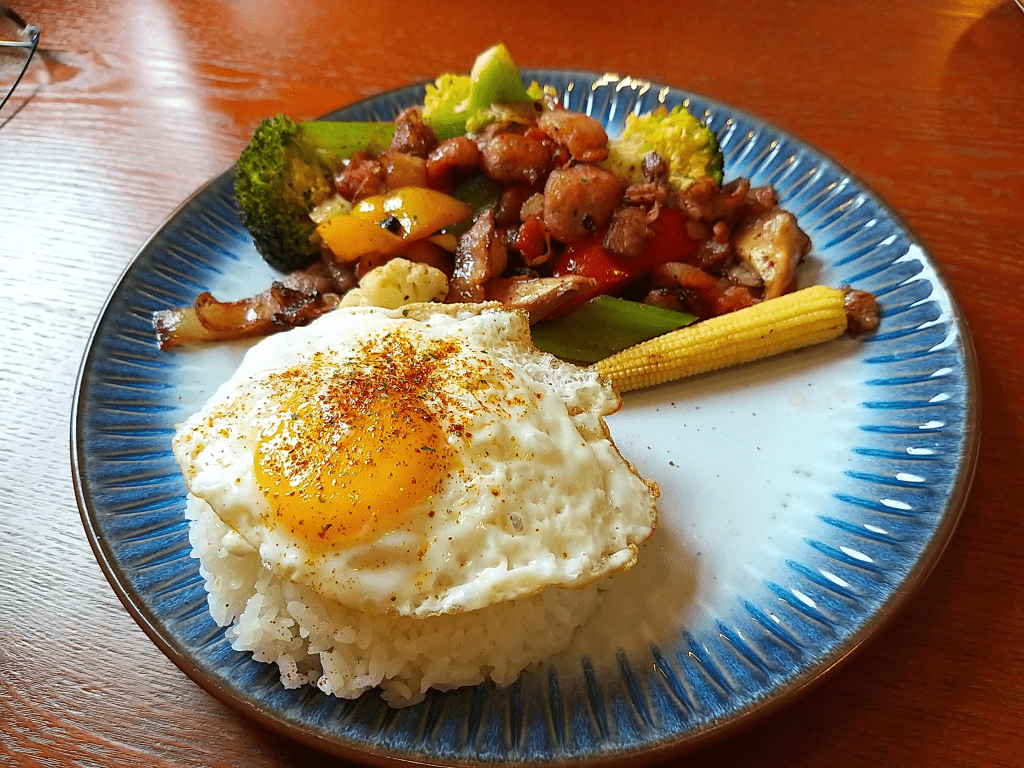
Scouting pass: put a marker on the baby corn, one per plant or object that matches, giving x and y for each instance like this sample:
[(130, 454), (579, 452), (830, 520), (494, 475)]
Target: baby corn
[(799, 319)]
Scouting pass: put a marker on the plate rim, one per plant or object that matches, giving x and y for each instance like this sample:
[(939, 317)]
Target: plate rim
[(798, 685)]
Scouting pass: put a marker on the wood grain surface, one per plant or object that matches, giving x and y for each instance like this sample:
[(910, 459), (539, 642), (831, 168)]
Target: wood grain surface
[(133, 104)]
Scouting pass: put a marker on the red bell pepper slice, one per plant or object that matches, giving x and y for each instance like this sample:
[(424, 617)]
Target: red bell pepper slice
[(669, 241)]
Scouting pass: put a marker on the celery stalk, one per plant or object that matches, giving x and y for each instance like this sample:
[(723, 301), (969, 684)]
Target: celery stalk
[(344, 138), (603, 326)]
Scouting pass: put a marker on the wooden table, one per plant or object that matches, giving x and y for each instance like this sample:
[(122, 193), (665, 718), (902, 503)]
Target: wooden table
[(132, 105)]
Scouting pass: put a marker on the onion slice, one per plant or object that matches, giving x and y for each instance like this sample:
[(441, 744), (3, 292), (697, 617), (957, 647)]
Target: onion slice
[(275, 309)]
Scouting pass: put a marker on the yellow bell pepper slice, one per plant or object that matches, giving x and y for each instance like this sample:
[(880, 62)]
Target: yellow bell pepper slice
[(446, 240), (420, 211), (417, 213), (350, 237)]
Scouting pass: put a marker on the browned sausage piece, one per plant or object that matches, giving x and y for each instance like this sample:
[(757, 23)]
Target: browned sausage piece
[(579, 201), (450, 157), (509, 158), (582, 135)]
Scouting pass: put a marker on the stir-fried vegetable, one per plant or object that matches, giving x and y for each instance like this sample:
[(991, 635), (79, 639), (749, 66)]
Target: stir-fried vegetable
[(384, 223), (285, 172), (810, 316), (668, 241), (688, 146), (603, 326), (492, 191)]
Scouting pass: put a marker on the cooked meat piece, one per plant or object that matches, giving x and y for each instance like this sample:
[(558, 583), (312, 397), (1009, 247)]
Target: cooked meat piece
[(695, 200), (665, 298), (861, 311), (479, 256), (509, 158), (403, 170), (711, 254), (539, 296), (649, 194), (583, 136), (579, 201), (451, 159), (510, 203), (757, 201), (320, 276), (702, 294), (721, 232), (627, 232), (363, 177), (741, 273), (412, 135), (341, 274), (705, 201), (677, 274), (533, 207), (654, 167)]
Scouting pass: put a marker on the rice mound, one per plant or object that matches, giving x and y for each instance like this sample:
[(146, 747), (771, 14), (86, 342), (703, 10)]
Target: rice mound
[(345, 652)]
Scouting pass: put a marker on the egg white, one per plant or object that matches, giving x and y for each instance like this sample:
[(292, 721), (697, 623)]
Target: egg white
[(536, 493)]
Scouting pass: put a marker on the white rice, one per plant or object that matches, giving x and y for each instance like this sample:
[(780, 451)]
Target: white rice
[(315, 641)]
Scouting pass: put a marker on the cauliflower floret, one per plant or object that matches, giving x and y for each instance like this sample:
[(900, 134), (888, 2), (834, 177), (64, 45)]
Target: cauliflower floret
[(396, 283)]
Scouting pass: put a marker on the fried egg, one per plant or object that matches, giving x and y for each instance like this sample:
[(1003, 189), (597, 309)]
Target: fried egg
[(420, 461)]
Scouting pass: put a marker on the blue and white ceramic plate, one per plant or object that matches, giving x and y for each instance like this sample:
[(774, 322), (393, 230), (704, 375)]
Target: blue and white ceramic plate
[(803, 498)]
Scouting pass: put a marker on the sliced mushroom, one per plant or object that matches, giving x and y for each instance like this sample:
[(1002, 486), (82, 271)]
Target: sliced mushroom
[(772, 244), (539, 296)]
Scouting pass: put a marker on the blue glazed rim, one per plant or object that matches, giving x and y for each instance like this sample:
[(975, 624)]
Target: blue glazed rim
[(130, 493)]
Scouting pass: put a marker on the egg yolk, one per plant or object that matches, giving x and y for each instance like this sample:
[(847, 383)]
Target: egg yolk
[(342, 470)]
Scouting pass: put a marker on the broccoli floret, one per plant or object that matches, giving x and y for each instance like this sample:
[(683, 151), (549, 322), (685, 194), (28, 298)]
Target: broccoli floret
[(688, 146), (493, 90), (285, 172)]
